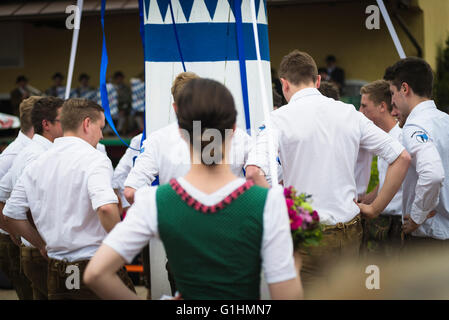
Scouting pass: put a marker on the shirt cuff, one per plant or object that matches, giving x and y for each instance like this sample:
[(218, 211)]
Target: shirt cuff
[(396, 149), (14, 212), (107, 198)]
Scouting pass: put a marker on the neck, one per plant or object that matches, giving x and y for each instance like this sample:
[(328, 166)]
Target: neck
[(415, 100), (209, 178), (388, 123), (29, 133), (296, 88), (48, 136)]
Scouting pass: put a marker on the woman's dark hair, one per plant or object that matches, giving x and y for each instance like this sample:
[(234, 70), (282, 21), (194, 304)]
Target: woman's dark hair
[(211, 103)]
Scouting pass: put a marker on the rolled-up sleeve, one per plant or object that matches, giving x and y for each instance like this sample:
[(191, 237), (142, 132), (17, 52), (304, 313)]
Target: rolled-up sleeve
[(99, 183), (17, 205), (146, 166), (377, 141), (259, 153), (5, 187)]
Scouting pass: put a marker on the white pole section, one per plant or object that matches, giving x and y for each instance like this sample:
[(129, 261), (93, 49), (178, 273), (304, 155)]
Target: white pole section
[(266, 110), (391, 29), (76, 30)]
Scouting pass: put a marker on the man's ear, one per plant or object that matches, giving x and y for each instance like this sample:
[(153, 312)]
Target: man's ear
[(175, 107), (405, 88), (383, 107), (318, 82), (86, 124), (45, 125), (285, 84)]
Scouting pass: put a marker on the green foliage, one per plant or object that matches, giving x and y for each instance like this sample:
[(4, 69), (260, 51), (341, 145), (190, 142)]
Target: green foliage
[(441, 86), (374, 180)]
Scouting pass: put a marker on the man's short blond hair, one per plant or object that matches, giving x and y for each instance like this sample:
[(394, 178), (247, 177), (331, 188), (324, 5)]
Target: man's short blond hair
[(25, 108), (378, 92), (74, 111), (180, 82)]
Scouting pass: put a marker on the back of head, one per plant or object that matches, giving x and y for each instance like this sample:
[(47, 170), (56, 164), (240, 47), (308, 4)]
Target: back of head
[(330, 90), (416, 72), (180, 82), (298, 68), (45, 109), (74, 112), (210, 103), (378, 92), (25, 109)]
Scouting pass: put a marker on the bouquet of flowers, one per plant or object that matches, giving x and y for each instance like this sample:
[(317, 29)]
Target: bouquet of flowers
[(304, 221)]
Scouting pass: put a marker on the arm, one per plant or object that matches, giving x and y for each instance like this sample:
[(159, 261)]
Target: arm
[(430, 173), (258, 166), (26, 230), (145, 169), (375, 140), (109, 216), (369, 197), (286, 290), (278, 263), (395, 175), (122, 245), (101, 275)]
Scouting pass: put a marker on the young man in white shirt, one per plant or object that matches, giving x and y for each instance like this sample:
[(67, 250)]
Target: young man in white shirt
[(382, 235), (426, 138), (318, 140), (9, 245), (69, 193), (45, 118)]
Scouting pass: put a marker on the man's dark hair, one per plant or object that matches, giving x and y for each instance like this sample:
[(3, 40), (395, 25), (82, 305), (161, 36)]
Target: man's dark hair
[(45, 109), (57, 75), (21, 78), (118, 74), (83, 76), (331, 58), (416, 72), (329, 89), (277, 99)]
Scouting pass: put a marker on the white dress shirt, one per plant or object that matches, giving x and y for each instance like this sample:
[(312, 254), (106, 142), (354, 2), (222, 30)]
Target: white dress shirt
[(63, 189), (318, 140), (141, 223), (166, 154), (124, 167), (38, 146), (395, 205), (426, 137), (8, 156)]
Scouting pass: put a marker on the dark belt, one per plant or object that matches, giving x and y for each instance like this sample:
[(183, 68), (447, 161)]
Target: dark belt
[(343, 226), (61, 265)]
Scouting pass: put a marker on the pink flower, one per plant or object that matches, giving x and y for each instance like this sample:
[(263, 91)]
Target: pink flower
[(291, 212), (315, 216), (308, 218), (290, 203), (296, 223), (288, 192)]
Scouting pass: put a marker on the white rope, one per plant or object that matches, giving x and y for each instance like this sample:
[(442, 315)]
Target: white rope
[(74, 46), (266, 111), (391, 29)]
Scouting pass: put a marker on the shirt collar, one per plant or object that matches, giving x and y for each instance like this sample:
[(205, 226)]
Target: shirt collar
[(426, 105), (304, 93), (22, 136), (71, 140), (42, 141)]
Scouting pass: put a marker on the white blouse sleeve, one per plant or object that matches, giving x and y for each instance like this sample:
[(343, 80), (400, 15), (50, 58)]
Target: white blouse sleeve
[(277, 245), (140, 224)]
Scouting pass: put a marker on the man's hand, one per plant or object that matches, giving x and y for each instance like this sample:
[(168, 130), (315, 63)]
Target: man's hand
[(409, 225), (43, 252), (257, 175), (367, 210)]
